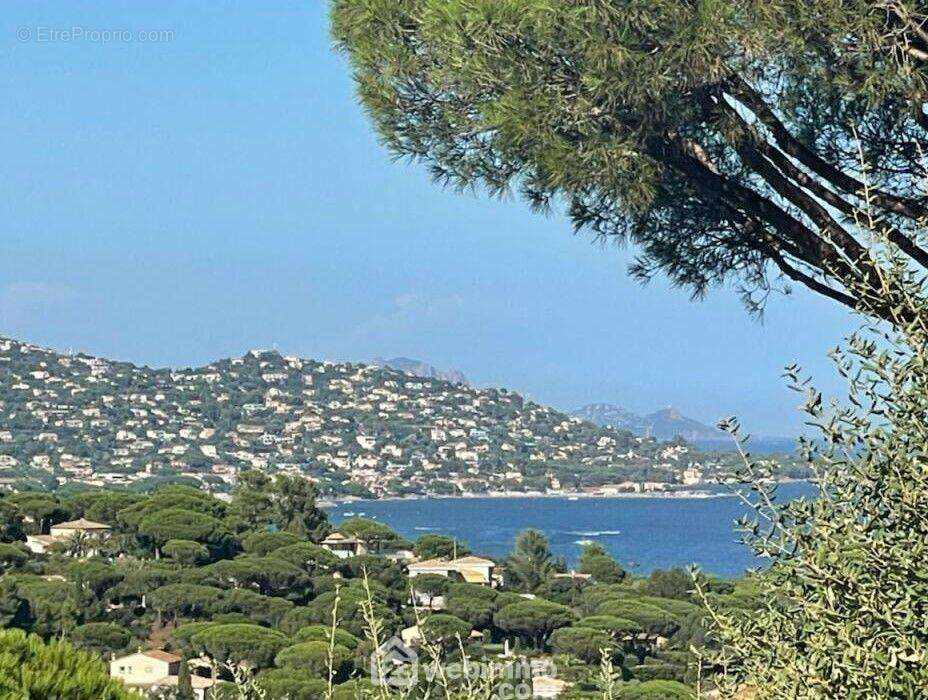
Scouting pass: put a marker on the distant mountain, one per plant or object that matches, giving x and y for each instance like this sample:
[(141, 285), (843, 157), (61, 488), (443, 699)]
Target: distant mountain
[(418, 368), (604, 414), (665, 424), (669, 423)]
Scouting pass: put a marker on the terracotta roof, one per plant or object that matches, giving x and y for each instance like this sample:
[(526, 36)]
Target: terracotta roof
[(161, 655), (81, 524)]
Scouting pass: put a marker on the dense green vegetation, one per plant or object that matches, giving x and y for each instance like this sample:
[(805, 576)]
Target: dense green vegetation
[(30, 668), (844, 600), (753, 142), (247, 582)]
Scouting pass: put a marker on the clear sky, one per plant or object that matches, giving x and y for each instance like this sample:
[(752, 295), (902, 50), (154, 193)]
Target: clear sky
[(216, 188)]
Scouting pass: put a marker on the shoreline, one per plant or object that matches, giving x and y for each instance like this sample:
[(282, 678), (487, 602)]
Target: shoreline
[(696, 494)]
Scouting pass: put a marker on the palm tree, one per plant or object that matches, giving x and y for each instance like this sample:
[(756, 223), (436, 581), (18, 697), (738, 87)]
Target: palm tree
[(78, 545)]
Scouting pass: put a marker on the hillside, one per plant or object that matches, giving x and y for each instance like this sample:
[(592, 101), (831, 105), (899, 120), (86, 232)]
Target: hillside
[(356, 429)]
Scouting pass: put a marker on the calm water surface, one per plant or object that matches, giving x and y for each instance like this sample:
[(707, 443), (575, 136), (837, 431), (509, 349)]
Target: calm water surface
[(641, 533)]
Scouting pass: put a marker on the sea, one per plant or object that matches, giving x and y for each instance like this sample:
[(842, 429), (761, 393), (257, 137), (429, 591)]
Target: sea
[(642, 533)]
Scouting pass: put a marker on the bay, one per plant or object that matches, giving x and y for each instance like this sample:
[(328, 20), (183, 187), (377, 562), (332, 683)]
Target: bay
[(642, 533)]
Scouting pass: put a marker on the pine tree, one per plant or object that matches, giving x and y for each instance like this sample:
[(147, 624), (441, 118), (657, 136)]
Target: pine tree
[(184, 684)]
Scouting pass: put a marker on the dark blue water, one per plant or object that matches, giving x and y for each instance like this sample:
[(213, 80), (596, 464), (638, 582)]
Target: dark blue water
[(643, 534)]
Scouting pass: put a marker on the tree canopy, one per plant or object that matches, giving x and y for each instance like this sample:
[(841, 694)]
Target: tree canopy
[(595, 561), (240, 643), (31, 669), (732, 141), (531, 562), (535, 619)]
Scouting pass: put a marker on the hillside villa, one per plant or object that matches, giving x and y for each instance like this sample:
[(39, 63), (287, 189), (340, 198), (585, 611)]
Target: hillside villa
[(468, 569), (62, 532), (155, 670), (343, 546)]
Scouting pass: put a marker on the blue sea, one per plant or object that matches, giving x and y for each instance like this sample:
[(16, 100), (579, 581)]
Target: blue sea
[(643, 534)]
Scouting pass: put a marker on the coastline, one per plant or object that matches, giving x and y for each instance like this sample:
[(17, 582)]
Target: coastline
[(500, 495), (695, 494)]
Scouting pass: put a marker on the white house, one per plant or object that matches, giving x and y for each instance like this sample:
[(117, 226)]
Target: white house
[(154, 670), (72, 527), (39, 544), (144, 668)]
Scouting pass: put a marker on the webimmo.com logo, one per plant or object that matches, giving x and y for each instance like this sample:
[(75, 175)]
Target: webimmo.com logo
[(394, 664)]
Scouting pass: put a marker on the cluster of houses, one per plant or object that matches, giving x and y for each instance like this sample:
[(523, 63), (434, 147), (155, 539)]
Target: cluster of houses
[(284, 414), (156, 670)]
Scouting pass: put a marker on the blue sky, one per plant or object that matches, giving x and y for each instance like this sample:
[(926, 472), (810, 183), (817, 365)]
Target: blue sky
[(174, 201)]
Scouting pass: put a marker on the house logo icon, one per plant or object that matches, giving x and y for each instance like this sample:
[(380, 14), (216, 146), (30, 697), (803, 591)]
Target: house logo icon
[(394, 664)]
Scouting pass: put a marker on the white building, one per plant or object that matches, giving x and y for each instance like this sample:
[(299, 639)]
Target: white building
[(155, 670), (62, 532)]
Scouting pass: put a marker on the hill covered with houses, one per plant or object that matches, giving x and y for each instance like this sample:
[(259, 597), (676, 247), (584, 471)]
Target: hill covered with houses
[(356, 429)]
